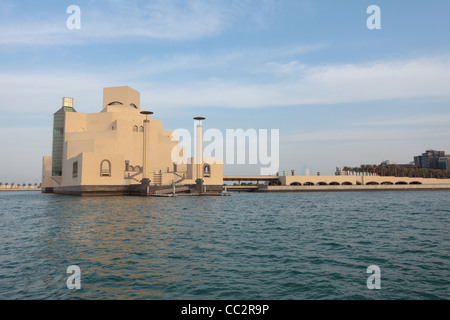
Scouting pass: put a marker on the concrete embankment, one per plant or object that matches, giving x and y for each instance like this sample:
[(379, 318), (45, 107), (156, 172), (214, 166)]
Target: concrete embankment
[(430, 187), (20, 189)]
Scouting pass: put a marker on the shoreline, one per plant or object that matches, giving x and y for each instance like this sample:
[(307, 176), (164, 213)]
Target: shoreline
[(9, 190), (299, 189), (360, 188)]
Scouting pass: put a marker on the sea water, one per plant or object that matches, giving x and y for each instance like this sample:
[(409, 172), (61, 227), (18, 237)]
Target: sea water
[(249, 246)]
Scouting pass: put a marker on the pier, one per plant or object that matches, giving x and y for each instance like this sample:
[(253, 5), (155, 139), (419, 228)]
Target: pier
[(335, 183)]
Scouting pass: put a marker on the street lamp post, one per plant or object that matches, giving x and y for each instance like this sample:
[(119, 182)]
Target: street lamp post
[(145, 176), (199, 157)]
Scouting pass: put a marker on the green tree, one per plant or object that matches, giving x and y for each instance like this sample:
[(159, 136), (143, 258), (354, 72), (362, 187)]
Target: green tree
[(346, 170), (363, 169)]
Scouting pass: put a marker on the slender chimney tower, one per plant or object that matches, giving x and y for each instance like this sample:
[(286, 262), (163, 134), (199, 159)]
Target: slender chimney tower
[(199, 156), (145, 173)]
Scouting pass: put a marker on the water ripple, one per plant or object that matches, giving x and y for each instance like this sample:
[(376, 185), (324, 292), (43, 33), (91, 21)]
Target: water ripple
[(247, 246)]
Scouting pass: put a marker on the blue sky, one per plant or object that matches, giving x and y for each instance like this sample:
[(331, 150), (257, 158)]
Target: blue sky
[(340, 94)]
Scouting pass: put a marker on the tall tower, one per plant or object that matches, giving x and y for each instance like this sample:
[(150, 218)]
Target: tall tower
[(199, 158), (58, 137)]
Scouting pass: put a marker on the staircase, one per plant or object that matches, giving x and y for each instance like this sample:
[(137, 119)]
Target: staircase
[(132, 176), (179, 180), (179, 189), (157, 178)]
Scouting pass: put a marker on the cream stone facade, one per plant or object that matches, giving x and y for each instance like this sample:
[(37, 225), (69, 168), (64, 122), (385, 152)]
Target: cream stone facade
[(103, 153), (357, 180)]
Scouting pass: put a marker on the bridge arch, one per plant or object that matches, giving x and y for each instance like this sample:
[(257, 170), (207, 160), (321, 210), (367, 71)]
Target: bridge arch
[(334, 183), (372, 183), (347, 183), (308, 184), (401, 182), (387, 183), (322, 183), (415, 182), (296, 184)]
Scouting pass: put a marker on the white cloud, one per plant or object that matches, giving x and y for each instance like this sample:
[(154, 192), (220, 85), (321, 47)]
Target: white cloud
[(367, 135), (424, 119), (109, 21), (329, 84)]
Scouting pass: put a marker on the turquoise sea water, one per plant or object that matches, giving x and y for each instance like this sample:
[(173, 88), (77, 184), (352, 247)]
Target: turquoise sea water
[(247, 246)]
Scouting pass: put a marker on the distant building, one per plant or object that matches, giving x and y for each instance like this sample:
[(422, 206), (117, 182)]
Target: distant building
[(429, 159), (341, 172), (444, 163), (388, 163)]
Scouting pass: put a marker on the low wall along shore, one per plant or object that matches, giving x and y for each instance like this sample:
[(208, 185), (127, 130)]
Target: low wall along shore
[(8, 188), (354, 188)]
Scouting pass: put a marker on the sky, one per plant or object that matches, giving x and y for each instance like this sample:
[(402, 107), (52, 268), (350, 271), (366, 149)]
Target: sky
[(341, 94)]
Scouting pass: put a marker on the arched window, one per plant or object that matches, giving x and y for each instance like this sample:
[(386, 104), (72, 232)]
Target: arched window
[(135, 129), (105, 168), (141, 129), (115, 103), (207, 170)]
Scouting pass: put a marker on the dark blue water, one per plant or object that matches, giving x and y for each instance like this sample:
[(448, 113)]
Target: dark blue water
[(247, 246)]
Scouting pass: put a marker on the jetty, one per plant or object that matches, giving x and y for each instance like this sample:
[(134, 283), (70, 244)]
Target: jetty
[(334, 183)]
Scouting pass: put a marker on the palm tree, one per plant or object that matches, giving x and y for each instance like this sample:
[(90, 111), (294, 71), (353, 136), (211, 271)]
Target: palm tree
[(396, 171), (345, 170), (374, 169), (363, 169)]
